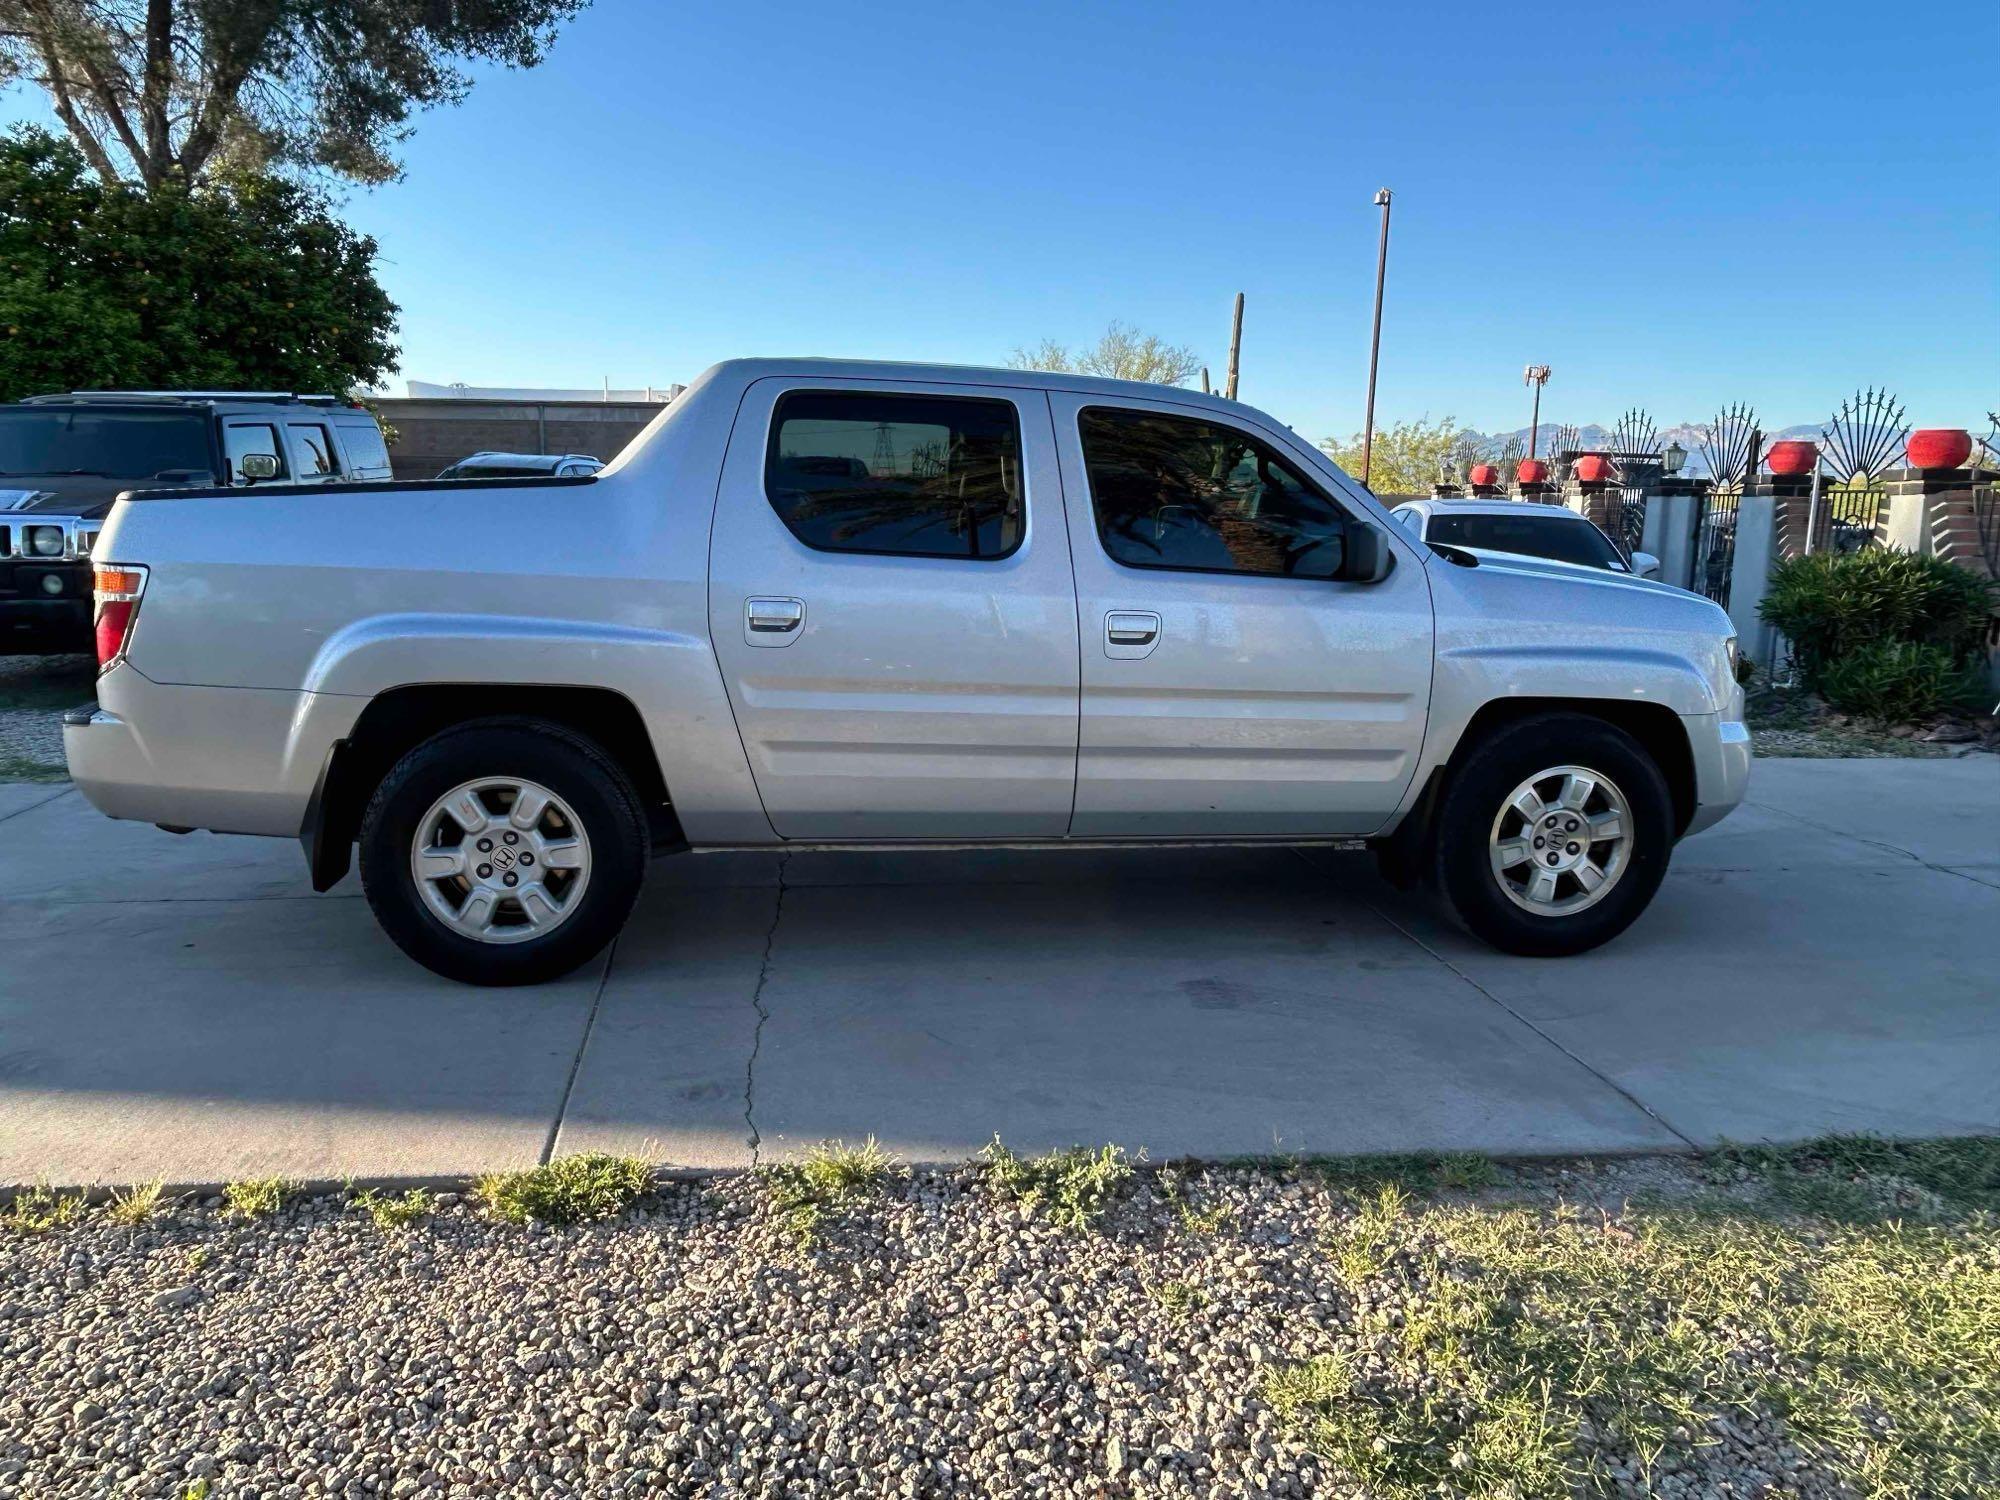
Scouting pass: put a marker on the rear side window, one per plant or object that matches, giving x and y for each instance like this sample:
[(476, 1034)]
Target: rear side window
[(365, 448), (242, 438), (1197, 496), (912, 476), (1559, 537)]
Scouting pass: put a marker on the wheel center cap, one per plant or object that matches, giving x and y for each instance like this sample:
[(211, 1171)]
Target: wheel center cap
[(503, 858)]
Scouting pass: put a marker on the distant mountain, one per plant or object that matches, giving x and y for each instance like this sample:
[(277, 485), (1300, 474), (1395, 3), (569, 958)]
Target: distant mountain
[(1592, 436)]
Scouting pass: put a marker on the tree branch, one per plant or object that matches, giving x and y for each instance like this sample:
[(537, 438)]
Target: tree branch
[(66, 111), (159, 79)]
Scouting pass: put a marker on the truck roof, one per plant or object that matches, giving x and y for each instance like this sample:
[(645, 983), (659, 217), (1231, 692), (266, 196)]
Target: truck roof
[(747, 370), (178, 398)]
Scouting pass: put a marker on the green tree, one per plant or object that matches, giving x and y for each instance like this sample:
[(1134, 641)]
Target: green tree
[(243, 284), (1123, 353), (1408, 456), (160, 91)]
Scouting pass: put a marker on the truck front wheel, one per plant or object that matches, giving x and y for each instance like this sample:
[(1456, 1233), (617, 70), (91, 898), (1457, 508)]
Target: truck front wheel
[(1554, 835), (503, 851)]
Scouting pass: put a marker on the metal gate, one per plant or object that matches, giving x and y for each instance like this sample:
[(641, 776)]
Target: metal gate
[(1850, 518), (1715, 544), (1625, 510)]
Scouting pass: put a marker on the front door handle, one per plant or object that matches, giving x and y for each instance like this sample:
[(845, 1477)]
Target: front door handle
[(1131, 627), (772, 621)]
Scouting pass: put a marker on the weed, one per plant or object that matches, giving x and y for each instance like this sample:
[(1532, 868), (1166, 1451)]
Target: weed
[(1460, 1171), (833, 1173), (1072, 1187), (38, 1209), (391, 1213), (134, 1206), (568, 1190), (1181, 1299), (1209, 1220), (257, 1197), (199, 1490), (198, 1257), (1858, 1178)]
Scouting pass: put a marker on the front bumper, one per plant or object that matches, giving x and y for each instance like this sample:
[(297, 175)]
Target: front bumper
[(38, 615), (1721, 749)]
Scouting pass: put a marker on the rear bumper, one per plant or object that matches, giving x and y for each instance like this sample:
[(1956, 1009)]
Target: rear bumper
[(1721, 749), (236, 760)]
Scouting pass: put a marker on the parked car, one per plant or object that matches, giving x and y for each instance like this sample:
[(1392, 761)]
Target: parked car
[(65, 458), (1523, 529), (839, 603), (524, 466)]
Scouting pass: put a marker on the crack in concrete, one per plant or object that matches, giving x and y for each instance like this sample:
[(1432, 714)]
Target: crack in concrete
[(576, 1063), (52, 797), (756, 1140), (1862, 838)]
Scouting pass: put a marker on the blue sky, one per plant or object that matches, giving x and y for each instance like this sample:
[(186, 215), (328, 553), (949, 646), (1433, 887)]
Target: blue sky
[(1674, 206)]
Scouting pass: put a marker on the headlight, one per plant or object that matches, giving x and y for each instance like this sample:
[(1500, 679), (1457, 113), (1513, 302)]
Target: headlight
[(45, 541)]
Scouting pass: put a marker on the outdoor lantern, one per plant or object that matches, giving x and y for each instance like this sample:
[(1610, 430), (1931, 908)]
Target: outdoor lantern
[(1792, 458), (1674, 459), (1532, 471), (1938, 448), (1593, 468)]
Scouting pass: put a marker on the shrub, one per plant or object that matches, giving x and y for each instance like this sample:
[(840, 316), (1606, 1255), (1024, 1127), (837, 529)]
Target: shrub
[(1899, 680), (1831, 605)]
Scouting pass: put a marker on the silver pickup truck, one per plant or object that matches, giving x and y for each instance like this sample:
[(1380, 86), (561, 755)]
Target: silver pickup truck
[(830, 603)]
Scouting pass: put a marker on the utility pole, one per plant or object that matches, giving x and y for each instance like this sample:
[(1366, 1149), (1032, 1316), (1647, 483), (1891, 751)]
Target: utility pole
[(1235, 349), (1536, 376), (1375, 339)]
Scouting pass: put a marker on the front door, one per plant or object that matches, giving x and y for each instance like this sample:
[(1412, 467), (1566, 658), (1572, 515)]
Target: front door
[(1231, 687), (891, 603)]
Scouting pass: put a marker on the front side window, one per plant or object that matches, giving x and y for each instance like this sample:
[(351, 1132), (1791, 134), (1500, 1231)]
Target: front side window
[(240, 439), (1182, 493), (914, 476), (315, 451), (1559, 537)]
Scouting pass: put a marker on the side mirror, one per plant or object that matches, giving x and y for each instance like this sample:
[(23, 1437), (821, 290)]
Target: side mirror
[(258, 466), (1645, 565), (1368, 558)]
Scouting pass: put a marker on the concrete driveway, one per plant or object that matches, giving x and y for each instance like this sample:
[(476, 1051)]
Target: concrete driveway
[(1828, 959)]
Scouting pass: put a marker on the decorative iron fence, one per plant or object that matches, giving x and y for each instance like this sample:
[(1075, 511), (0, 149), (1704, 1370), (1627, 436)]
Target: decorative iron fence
[(1715, 544), (1850, 518), (1626, 511)]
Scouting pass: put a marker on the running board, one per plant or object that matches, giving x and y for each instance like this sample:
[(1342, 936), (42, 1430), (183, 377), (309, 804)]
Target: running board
[(941, 846)]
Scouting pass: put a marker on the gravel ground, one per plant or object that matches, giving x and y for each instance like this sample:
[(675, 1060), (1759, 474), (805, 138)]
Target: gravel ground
[(1789, 723), (35, 692), (922, 1337)]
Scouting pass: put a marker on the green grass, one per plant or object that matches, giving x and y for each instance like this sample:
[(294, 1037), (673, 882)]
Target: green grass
[(1459, 1171), (257, 1197), (17, 767), (39, 1209), (392, 1212), (807, 1193), (1181, 1299), (1072, 1188), (1208, 1219), (134, 1206), (568, 1190), (1521, 1349)]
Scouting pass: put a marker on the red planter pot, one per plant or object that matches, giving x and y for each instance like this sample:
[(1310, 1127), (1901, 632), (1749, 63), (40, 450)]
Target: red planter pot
[(1532, 471), (1483, 476), (1793, 457), (1593, 468), (1938, 448)]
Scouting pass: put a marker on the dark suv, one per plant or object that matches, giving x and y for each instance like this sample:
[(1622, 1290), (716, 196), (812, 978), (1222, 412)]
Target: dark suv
[(65, 458)]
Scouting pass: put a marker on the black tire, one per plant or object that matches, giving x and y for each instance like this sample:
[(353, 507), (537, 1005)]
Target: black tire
[(1478, 791), (577, 771)]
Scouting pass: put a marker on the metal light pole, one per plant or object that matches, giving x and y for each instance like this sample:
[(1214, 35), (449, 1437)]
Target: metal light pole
[(1536, 376), (1375, 339)]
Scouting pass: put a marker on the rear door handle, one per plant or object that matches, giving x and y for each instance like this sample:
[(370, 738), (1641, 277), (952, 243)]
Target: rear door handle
[(772, 621), (1130, 633), (1130, 627)]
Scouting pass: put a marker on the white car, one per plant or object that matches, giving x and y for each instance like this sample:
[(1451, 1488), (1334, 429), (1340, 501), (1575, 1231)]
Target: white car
[(1521, 528)]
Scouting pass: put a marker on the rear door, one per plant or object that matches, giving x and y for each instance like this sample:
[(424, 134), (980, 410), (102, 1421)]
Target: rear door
[(891, 603), (314, 458), (1231, 687)]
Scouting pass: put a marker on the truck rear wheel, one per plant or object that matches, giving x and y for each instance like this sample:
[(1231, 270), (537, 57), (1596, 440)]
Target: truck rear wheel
[(506, 851), (1554, 835)]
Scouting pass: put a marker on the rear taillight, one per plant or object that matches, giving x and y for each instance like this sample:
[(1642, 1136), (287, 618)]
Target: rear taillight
[(117, 591)]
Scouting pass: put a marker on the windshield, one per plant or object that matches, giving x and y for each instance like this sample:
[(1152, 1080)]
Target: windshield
[(115, 444), (1561, 538)]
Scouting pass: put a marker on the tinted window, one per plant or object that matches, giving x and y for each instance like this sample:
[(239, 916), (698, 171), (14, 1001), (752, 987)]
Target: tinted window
[(1176, 492), (315, 451), (114, 444), (240, 438), (921, 476), (1561, 537), (364, 447)]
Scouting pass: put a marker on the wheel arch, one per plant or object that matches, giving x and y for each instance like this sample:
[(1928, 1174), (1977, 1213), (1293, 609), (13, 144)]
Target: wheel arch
[(398, 720)]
